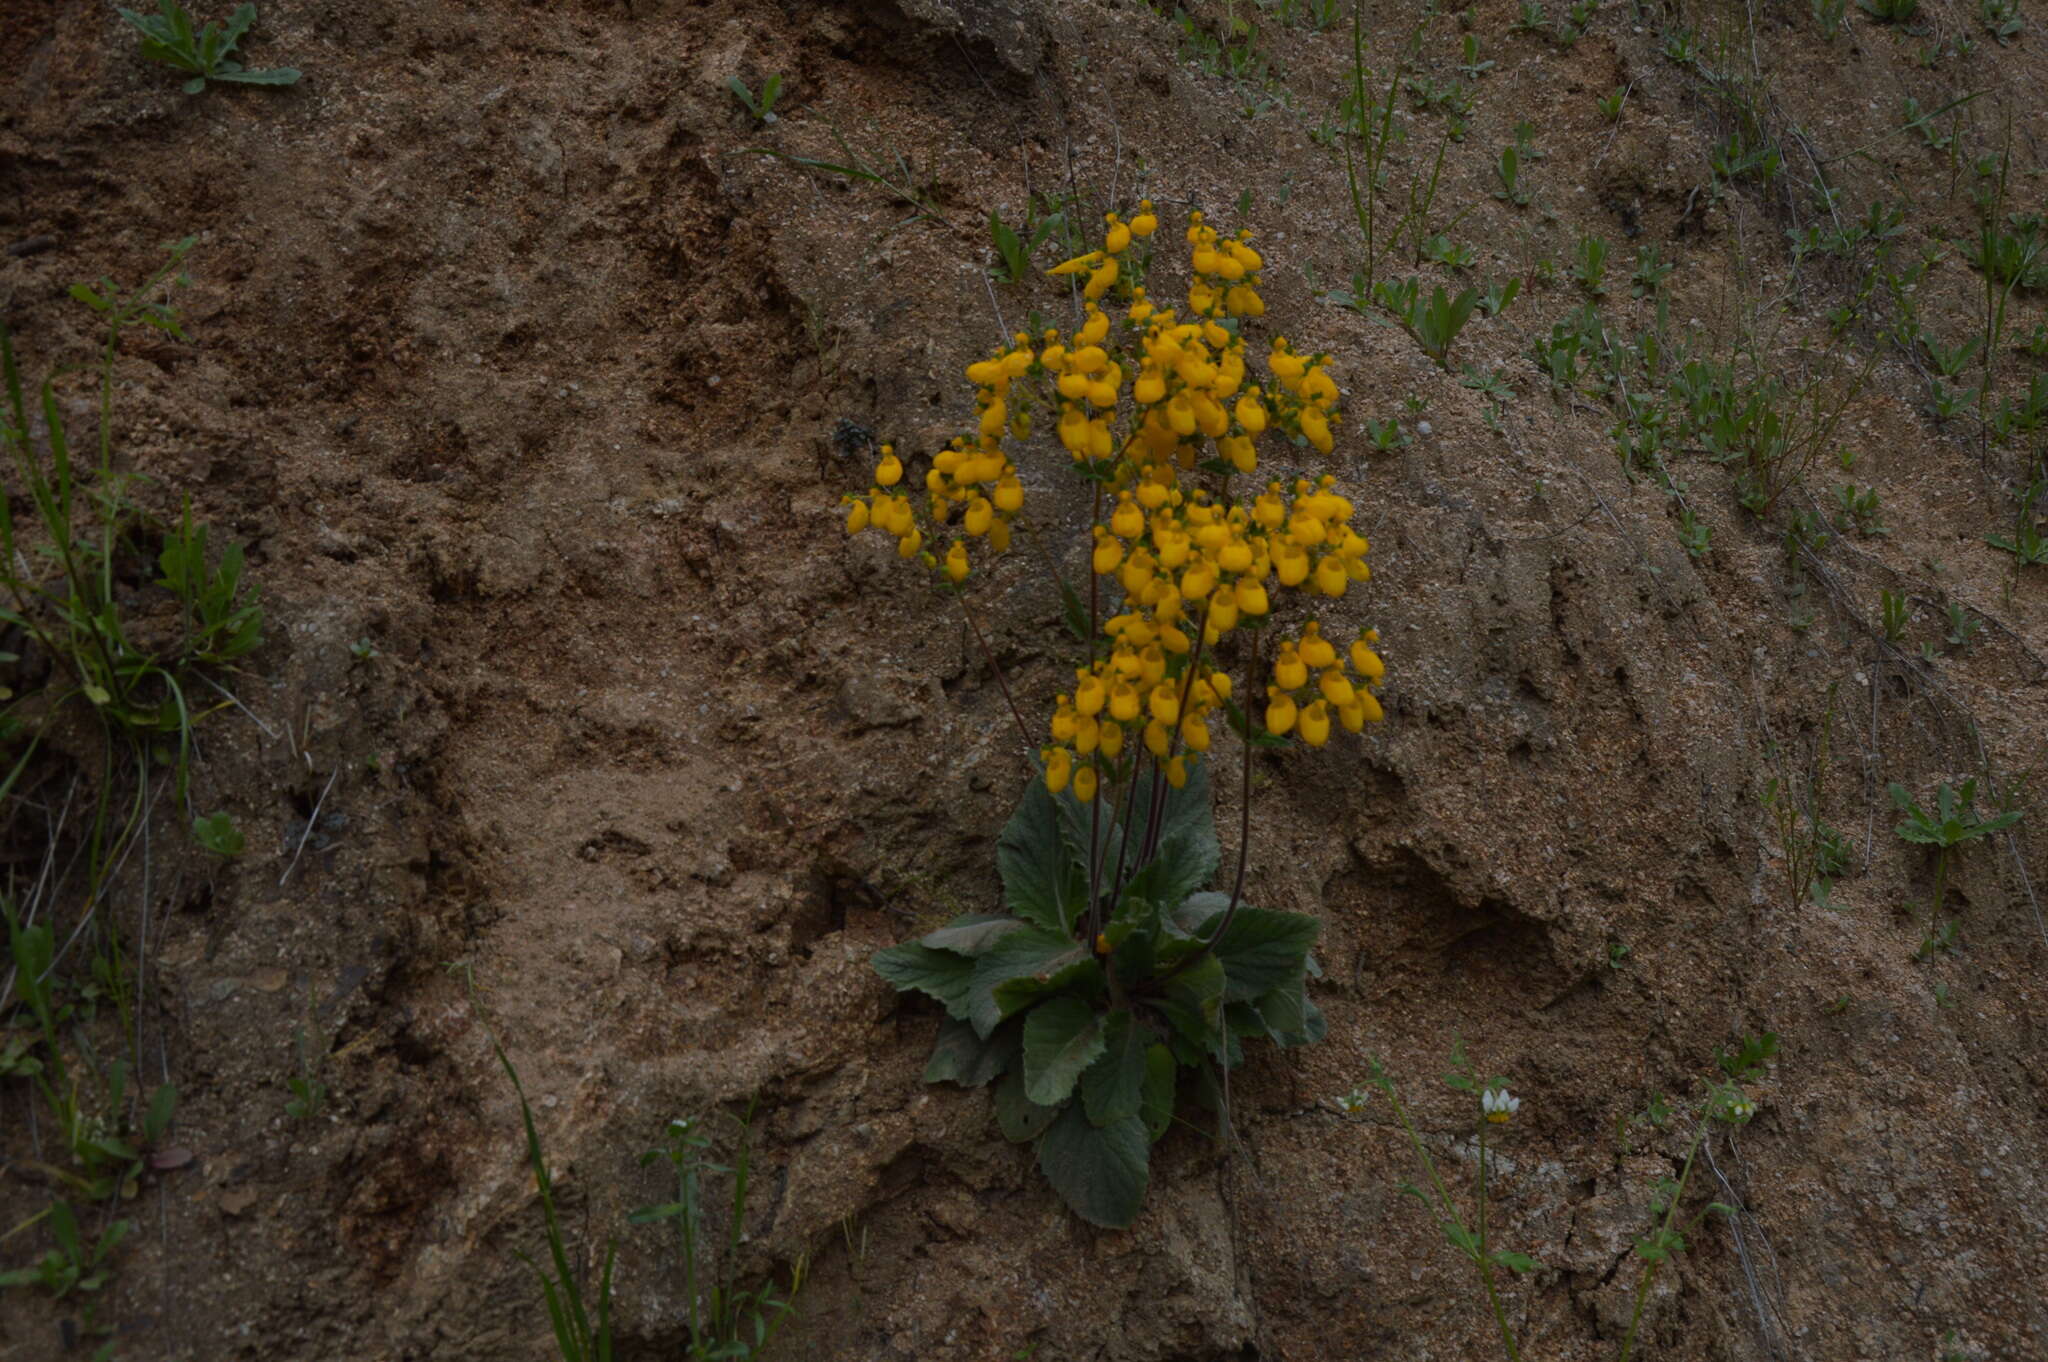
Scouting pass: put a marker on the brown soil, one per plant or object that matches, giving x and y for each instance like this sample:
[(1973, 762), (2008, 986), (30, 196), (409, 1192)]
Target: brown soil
[(509, 356)]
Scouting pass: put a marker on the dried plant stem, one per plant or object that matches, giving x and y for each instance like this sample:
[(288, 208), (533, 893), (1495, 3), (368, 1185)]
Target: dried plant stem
[(1023, 729), (1124, 838), (1187, 687), (1244, 813), (1095, 804)]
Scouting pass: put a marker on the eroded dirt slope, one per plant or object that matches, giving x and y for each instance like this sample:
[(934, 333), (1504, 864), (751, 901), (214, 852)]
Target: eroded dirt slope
[(511, 357)]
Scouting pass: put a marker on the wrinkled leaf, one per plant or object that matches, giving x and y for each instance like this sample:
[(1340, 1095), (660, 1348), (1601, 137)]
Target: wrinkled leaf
[(1100, 1172), (1197, 910), (1156, 1105), (1020, 1118), (1291, 1019), (971, 934), (1262, 950), (1022, 967), (1113, 1086), (1062, 1037), (941, 974), (1188, 850), (1193, 1003), (1041, 881), (962, 1056)]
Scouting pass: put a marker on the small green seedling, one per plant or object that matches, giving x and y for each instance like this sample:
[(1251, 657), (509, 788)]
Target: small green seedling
[(220, 626), (2026, 542), (1651, 272), (2014, 254), (73, 1265), (1436, 323), (167, 37), (1386, 436), (217, 833), (1509, 170), (1443, 251), (1497, 296), (762, 105), (1963, 627), (1940, 938), (1695, 536), (1749, 1057), (1896, 613), (1493, 384), (1016, 245), (1610, 103), (1954, 823), (2002, 17), (1589, 265), (308, 1096), (1890, 11), (1472, 67), (1859, 508)]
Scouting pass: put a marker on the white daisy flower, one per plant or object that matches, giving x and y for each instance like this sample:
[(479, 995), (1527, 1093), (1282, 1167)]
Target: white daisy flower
[(1498, 1106)]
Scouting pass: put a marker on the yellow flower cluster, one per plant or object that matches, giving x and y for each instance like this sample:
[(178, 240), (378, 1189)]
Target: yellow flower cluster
[(1131, 691), (1347, 694), (1226, 273), (971, 476), (1140, 402)]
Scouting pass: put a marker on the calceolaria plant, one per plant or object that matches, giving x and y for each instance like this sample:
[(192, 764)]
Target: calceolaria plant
[(1114, 979)]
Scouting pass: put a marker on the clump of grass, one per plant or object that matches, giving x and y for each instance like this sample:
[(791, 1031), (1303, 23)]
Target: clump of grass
[(580, 1317), (728, 1322), (1492, 1107), (60, 570)]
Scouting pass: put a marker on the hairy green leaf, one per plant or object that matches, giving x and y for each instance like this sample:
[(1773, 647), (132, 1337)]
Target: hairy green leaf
[(1193, 1003), (1113, 1086), (1100, 1172), (1023, 967), (1263, 949), (1020, 1118), (1188, 850), (1042, 881), (971, 934), (1291, 1018), (941, 974), (964, 1057), (1156, 1103), (1062, 1037)]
